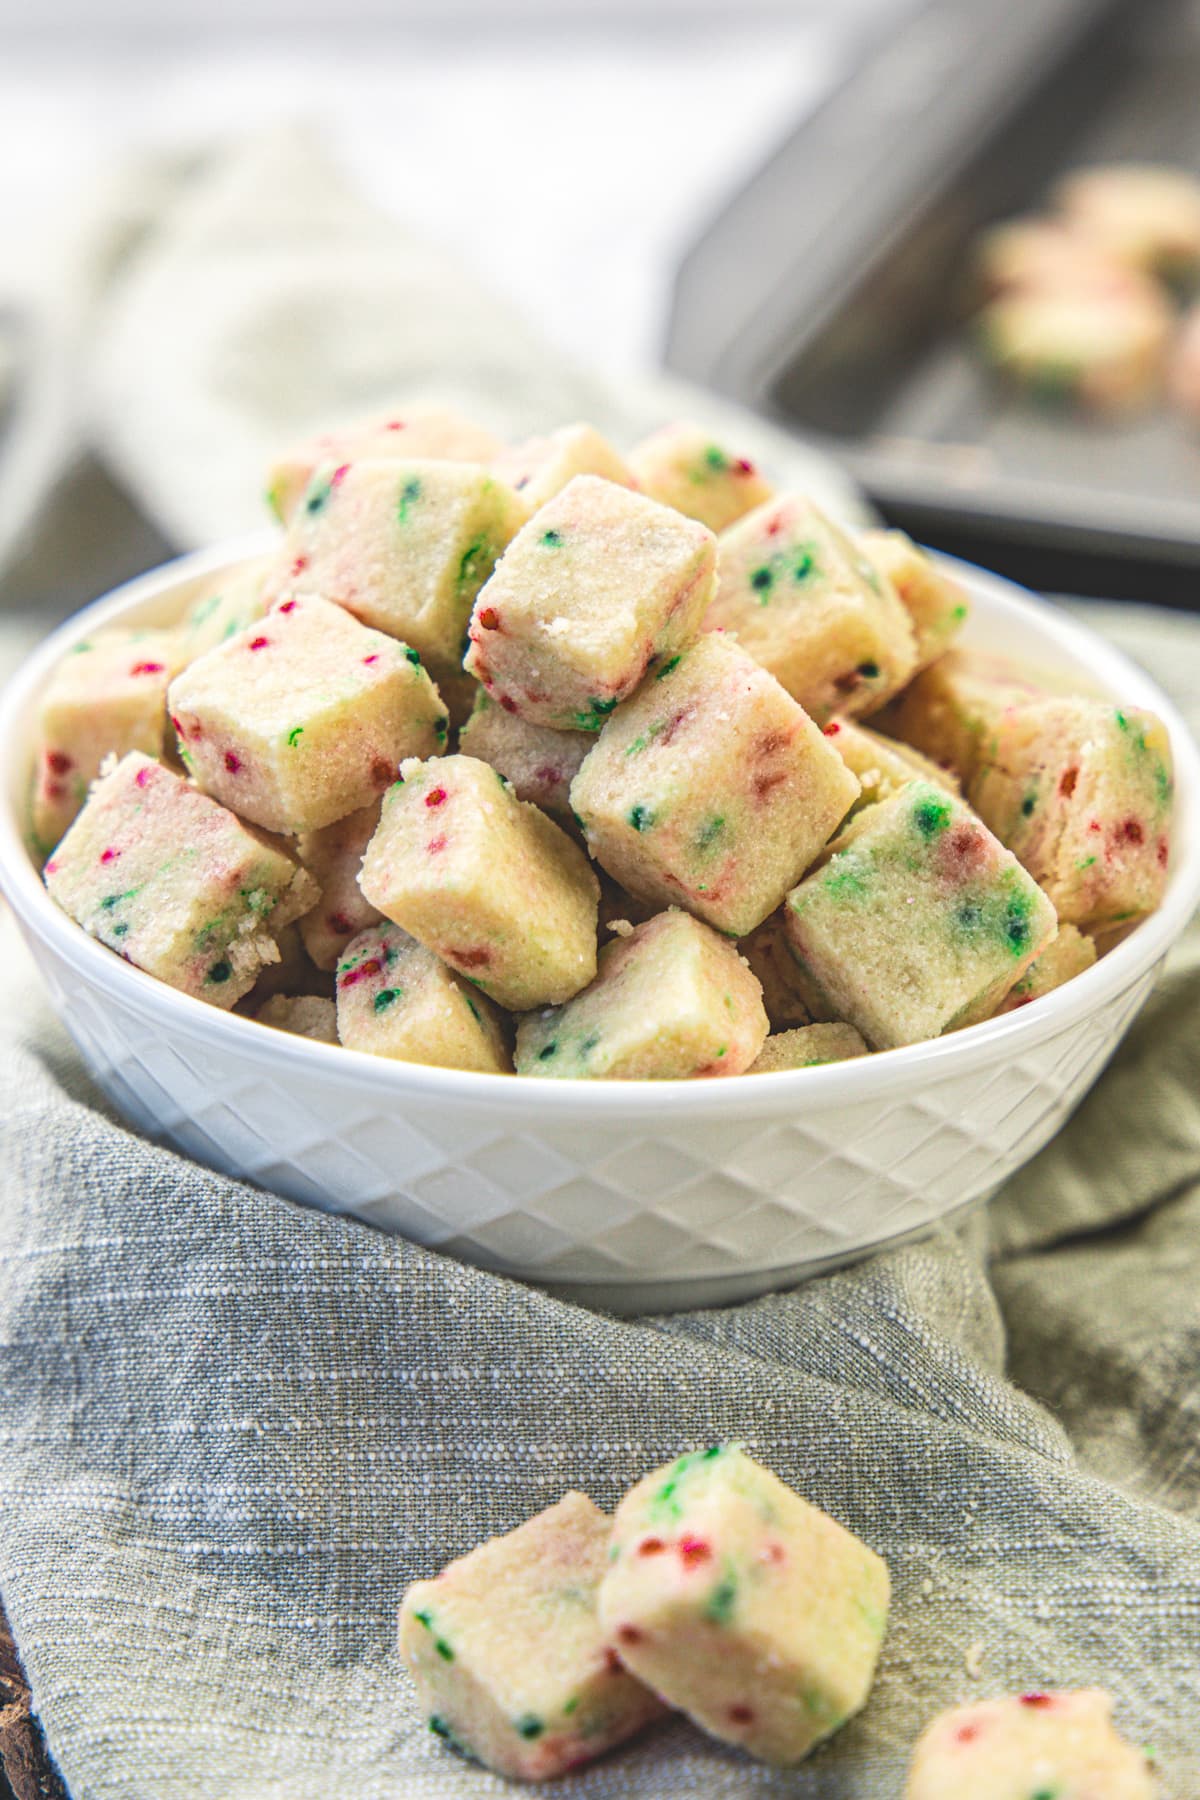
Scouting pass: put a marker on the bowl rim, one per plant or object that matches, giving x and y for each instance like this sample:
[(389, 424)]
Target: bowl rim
[(806, 1091)]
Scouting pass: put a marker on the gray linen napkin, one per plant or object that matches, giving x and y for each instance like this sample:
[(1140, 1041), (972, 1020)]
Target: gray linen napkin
[(232, 1430)]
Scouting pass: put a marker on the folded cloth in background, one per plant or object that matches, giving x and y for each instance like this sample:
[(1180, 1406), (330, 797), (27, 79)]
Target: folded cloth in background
[(234, 1430)]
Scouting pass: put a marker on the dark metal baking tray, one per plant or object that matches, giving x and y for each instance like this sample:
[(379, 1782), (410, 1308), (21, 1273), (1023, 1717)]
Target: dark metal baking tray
[(830, 291)]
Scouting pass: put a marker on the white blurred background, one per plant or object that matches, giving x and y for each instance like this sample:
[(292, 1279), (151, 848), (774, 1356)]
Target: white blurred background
[(565, 151)]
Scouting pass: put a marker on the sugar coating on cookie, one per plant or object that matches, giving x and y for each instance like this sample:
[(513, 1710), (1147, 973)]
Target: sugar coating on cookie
[(711, 788), (600, 585), (397, 999), (333, 857), (1144, 214), (304, 1015), (1035, 1746), (431, 434), (808, 1047), (883, 765), (786, 992), (485, 881), (952, 710), (108, 695), (671, 1000), (1081, 792), (936, 605), (539, 763), (686, 467), (1094, 349), (174, 883), (809, 605), (742, 1605), (542, 466), (920, 920), (1066, 956), (304, 716), (404, 546), (507, 1654), (234, 599)]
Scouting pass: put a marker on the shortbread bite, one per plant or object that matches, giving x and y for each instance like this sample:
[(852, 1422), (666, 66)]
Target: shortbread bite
[(1144, 214), (485, 881), (952, 711), (935, 603), (807, 1048), (507, 1654), (597, 587), (237, 598), (1081, 792), (542, 466), (304, 1015), (1066, 956), (427, 433), (107, 695), (883, 765), (538, 763), (174, 883), (1029, 1747), (395, 998), (809, 605), (1045, 255), (684, 466), (741, 1604), (671, 1000), (404, 546), (711, 788), (1097, 350), (333, 857), (786, 993), (304, 716), (919, 921)]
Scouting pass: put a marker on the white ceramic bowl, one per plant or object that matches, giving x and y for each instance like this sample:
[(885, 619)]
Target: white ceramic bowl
[(636, 1196)]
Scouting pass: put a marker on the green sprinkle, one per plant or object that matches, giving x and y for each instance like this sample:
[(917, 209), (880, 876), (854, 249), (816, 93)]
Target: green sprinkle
[(641, 818), (931, 816), (1122, 721), (440, 727), (1085, 863), (589, 1043), (386, 997), (959, 613), (530, 1726), (111, 900), (716, 459), (439, 1726), (414, 656), (845, 876), (474, 1009), (672, 662), (970, 917), (1029, 806), (443, 1649), (548, 1050), (121, 929), (718, 1608), (475, 554), (425, 1619), (639, 743), (410, 493), (763, 580), (570, 1706), (722, 1051), (1044, 1793), (317, 497), (220, 971), (552, 539), (804, 565), (709, 832), (294, 736), (595, 715), (868, 670)]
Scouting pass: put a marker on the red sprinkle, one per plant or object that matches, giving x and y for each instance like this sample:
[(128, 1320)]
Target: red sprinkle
[(394, 425), (742, 1714), (1037, 1699), (694, 1551), (507, 704), (259, 643), (489, 618), (764, 783), (629, 1634), (743, 466), (373, 658), (372, 966), (339, 922), (1093, 825), (966, 1734), (339, 475), (651, 1546), (613, 1663), (1131, 831), (832, 729), (774, 1553), (58, 761), (1164, 850), (1066, 782), (232, 762), (51, 867), (142, 778), (147, 668), (300, 564), (548, 775), (55, 790), (470, 959), (435, 844), (382, 771), (435, 796), (110, 855)]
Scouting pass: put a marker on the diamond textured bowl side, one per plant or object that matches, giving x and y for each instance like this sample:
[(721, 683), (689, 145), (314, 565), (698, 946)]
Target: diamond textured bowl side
[(634, 1196)]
